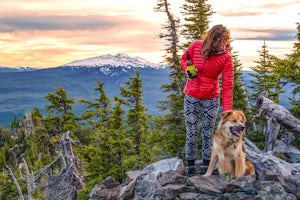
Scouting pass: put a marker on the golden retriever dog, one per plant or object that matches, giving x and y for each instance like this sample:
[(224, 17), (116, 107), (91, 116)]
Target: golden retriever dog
[(227, 150)]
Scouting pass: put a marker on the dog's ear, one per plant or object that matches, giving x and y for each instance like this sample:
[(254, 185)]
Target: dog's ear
[(242, 115), (226, 113)]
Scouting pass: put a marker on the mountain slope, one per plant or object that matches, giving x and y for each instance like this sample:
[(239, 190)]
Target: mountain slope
[(22, 90)]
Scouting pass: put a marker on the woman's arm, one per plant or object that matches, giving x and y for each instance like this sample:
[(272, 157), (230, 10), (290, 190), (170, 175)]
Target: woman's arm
[(227, 84), (183, 60)]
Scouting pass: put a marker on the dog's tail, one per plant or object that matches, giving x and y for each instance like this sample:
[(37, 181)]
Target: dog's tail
[(250, 170)]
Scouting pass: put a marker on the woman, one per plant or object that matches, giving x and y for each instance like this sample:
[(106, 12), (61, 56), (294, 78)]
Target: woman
[(211, 59)]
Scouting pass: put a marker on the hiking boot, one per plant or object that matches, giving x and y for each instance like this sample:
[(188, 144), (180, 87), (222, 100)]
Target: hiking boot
[(215, 172), (204, 168), (191, 171)]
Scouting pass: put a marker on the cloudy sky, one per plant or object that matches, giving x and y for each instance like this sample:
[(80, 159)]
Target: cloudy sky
[(50, 33)]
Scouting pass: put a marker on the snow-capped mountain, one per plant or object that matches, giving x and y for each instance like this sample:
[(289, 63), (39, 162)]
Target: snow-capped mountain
[(118, 60)]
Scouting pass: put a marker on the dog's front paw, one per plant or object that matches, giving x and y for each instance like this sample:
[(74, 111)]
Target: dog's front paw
[(206, 175)]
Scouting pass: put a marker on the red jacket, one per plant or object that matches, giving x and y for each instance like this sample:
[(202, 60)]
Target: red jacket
[(206, 84)]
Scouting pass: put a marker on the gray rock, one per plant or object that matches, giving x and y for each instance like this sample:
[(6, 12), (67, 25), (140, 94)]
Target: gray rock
[(146, 184), (108, 189)]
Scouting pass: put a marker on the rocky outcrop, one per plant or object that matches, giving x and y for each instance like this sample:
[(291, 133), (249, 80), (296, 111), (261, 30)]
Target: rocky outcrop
[(277, 170), (166, 179)]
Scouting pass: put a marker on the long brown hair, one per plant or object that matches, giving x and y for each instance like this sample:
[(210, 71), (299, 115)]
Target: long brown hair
[(216, 32)]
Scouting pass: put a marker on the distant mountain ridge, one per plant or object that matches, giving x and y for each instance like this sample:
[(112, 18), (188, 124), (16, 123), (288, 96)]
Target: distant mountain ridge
[(16, 69), (24, 88)]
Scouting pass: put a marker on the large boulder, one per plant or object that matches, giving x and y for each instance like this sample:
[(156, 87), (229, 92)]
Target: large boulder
[(145, 183)]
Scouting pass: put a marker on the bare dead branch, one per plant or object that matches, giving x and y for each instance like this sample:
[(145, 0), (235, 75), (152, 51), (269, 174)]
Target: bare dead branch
[(21, 197)]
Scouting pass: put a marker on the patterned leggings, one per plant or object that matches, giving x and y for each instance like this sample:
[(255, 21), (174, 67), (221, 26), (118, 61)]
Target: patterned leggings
[(193, 108)]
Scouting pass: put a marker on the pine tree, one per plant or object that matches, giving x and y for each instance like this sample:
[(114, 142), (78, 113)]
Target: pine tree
[(98, 110), (266, 80), (120, 144), (289, 70), (171, 125), (109, 153), (95, 138), (6, 142), (37, 117), (60, 103), (60, 113), (6, 147), (137, 119), (59, 120), (197, 14), (239, 93)]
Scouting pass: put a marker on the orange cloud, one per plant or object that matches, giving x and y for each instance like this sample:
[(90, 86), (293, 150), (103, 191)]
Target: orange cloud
[(52, 43)]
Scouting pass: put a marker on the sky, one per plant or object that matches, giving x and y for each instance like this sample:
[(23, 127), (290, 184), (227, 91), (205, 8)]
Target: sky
[(50, 33)]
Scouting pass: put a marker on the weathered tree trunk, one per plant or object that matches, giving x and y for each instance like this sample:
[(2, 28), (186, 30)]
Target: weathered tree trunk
[(266, 162), (271, 133), (64, 185), (21, 197), (279, 114), (30, 183), (28, 123)]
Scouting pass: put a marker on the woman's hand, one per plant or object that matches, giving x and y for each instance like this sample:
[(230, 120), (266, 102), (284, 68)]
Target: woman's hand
[(191, 71)]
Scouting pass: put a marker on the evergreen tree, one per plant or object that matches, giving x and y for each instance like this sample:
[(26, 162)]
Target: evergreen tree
[(239, 93), (171, 125), (295, 102), (37, 117), (60, 103), (109, 152), (39, 139), (59, 120), (120, 144), (60, 113), (99, 109), (137, 119), (197, 14), (6, 142), (96, 115), (288, 69), (6, 158), (266, 80), (240, 97), (96, 149)]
